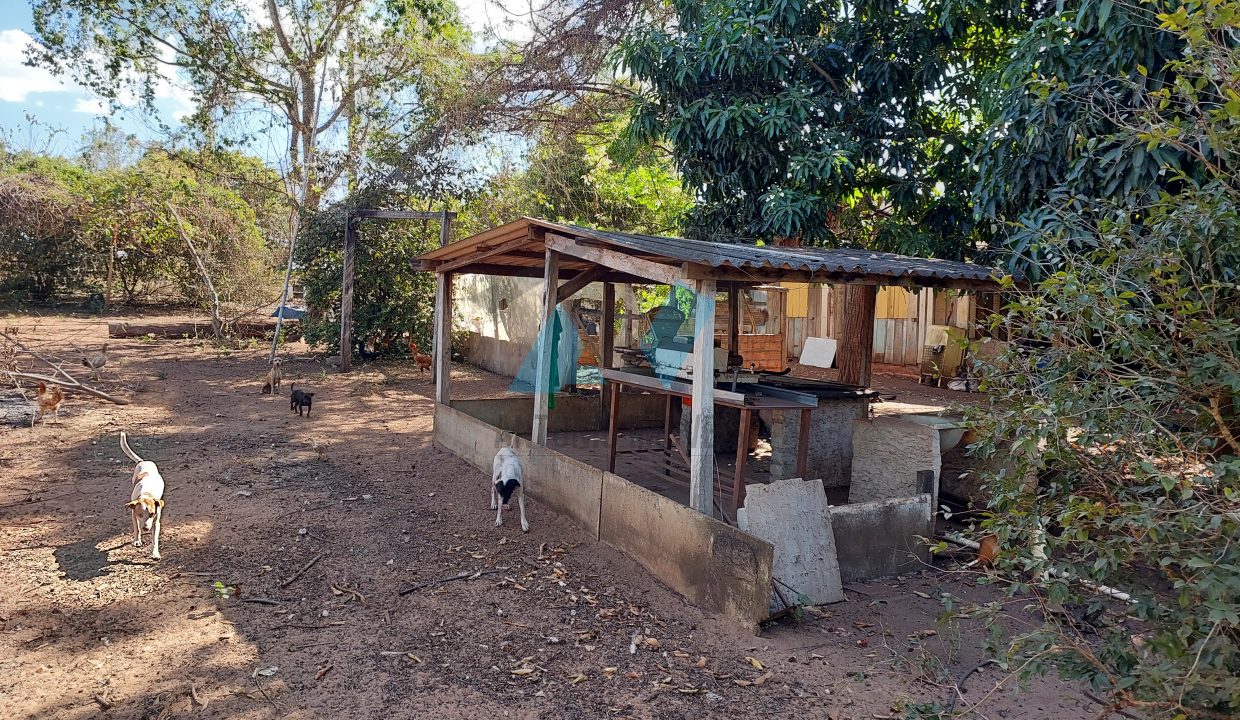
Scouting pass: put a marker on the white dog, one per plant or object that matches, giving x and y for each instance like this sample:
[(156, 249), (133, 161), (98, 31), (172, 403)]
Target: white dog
[(506, 479), (146, 502)]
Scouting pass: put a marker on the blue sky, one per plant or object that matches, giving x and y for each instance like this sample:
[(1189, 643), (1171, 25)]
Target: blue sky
[(63, 111)]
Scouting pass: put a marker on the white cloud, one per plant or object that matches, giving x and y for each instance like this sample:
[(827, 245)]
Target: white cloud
[(17, 80), (90, 106)]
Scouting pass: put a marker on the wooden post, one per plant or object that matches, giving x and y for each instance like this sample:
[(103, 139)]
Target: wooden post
[(445, 228), (443, 337), (742, 454), (734, 319), (607, 344), (613, 418), (346, 294), (542, 377), (857, 339), (630, 309), (702, 456)]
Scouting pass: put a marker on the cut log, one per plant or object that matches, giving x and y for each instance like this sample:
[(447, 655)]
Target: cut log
[(258, 328)]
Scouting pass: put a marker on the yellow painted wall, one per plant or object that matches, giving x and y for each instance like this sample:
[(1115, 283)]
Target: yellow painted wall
[(893, 303), (797, 300)]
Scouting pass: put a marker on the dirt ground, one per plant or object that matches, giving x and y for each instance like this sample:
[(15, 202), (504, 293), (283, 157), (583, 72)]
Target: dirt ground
[(313, 526)]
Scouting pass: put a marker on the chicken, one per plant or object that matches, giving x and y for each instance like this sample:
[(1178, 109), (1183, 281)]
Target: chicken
[(96, 362), (423, 360), (46, 402)]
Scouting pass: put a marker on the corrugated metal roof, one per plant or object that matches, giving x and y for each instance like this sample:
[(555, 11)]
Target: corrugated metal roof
[(763, 261)]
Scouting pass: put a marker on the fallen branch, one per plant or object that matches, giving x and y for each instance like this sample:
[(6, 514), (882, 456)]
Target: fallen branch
[(261, 601), (462, 576), (71, 383), (35, 353), (302, 571)]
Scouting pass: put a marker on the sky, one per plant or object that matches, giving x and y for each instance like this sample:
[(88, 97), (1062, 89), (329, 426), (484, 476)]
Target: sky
[(42, 112)]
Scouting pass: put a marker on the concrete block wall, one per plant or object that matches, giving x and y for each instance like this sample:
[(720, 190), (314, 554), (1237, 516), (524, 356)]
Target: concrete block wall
[(888, 452), (830, 456), (882, 538), (717, 567)]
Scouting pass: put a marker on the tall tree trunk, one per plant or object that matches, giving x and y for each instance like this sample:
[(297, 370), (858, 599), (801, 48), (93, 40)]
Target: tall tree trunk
[(856, 342)]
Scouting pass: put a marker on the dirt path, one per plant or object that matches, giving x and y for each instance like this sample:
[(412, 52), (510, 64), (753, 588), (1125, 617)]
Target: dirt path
[(256, 494)]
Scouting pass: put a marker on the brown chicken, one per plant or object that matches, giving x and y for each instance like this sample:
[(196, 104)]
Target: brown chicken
[(96, 362), (46, 402), (423, 360)]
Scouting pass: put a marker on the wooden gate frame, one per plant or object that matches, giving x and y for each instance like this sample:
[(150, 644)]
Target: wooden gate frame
[(352, 219)]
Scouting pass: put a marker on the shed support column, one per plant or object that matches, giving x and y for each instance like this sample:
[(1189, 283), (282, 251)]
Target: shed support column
[(734, 318), (607, 344), (542, 378), (346, 293), (443, 337), (702, 457), (857, 339)]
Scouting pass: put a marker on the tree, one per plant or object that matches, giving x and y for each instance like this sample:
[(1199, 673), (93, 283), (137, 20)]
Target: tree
[(1127, 412), (1079, 79), (324, 76), (824, 121)]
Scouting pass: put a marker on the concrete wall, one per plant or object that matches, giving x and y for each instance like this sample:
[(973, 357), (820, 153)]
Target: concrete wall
[(888, 452), (718, 567), (571, 413), (830, 456), (498, 356), (881, 538)]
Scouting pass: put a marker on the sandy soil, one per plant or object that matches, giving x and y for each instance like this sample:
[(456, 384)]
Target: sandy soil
[(317, 523)]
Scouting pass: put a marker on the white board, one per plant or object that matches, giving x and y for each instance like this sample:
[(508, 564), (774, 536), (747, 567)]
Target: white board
[(818, 352)]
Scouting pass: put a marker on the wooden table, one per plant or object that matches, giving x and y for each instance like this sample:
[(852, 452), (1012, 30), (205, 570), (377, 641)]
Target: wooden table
[(747, 403)]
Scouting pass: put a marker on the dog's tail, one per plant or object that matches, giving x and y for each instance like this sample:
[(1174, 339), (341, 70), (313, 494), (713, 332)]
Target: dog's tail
[(125, 446), (512, 443)]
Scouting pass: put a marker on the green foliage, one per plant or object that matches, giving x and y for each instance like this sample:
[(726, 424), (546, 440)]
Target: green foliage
[(822, 120), (600, 178), (1126, 408), (390, 300), (60, 223), (1079, 82)]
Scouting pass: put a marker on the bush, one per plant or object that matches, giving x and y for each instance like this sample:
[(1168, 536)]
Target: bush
[(1127, 414), (390, 300)]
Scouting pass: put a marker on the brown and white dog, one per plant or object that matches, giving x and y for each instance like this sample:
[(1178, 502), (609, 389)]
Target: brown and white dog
[(146, 502), (506, 479)]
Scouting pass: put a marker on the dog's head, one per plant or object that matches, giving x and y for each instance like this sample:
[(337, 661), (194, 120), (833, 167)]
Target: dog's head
[(147, 504), (506, 488)]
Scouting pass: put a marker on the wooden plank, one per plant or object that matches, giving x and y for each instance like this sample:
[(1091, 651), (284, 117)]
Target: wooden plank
[(734, 318), (445, 228), (443, 338), (542, 378), (613, 417), (484, 252), (618, 261), (346, 295), (401, 214), (702, 456), (742, 454), (579, 282), (607, 341)]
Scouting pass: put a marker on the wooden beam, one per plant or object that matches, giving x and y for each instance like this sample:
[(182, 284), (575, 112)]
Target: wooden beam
[(542, 376), (607, 341), (579, 282), (445, 228), (443, 338), (734, 318), (656, 272), (775, 276), (702, 454), (346, 295), (856, 342), (482, 253), (401, 214)]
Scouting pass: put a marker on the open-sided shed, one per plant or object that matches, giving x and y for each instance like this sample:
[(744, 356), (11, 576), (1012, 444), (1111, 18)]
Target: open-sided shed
[(569, 258)]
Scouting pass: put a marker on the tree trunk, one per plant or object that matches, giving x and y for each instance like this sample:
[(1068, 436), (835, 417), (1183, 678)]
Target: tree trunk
[(856, 341)]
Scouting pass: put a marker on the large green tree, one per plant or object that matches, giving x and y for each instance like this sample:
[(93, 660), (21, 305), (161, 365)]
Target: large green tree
[(1126, 411), (822, 120)]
